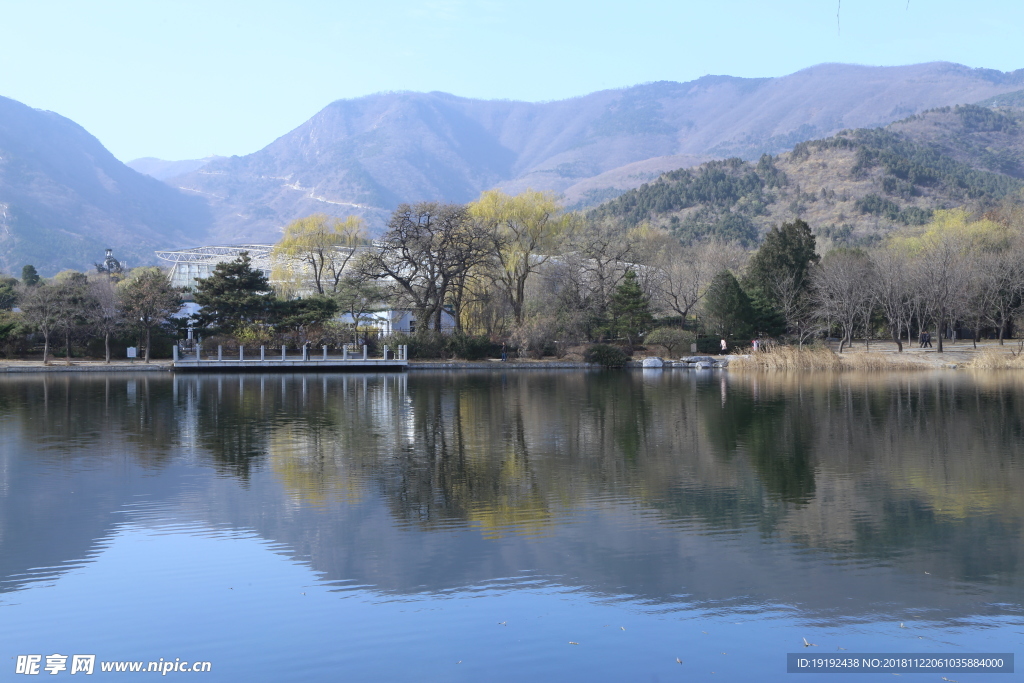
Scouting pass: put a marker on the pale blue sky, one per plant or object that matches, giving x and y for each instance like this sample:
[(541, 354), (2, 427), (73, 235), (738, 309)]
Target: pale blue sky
[(187, 79)]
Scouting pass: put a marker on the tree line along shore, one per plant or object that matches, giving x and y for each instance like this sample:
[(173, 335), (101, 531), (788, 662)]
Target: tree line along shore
[(520, 277)]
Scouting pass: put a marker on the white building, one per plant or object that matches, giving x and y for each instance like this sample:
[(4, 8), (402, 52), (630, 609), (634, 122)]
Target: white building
[(397, 320), (199, 262)]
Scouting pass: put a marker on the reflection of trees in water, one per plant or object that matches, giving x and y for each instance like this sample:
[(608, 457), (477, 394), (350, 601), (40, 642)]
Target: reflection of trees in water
[(231, 417), (313, 428), (68, 414), (470, 458), (909, 464), (777, 434), (857, 466), (854, 466)]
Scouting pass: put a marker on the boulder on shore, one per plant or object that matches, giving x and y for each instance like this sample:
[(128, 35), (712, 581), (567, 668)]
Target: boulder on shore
[(653, 362)]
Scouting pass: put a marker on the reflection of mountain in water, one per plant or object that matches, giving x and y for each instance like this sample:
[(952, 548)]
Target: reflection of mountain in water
[(65, 468), (783, 490)]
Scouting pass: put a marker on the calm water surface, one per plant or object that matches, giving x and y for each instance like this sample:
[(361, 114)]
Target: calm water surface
[(509, 526)]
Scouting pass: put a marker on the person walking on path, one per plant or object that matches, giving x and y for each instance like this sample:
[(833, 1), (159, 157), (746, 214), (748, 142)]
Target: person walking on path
[(504, 352), (928, 340), (724, 347)]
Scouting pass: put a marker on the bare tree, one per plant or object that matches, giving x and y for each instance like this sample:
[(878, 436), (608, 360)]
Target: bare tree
[(149, 300), (681, 275), (357, 296), (894, 290), (946, 268), (41, 305), (74, 306), (1002, 284), (796, 304), (424, 254), (603, 255), (840, 286), (106, 316)]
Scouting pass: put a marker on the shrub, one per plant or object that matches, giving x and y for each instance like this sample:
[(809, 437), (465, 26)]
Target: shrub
[(469, 347), (606, 356), (428, 344), (673, 339)]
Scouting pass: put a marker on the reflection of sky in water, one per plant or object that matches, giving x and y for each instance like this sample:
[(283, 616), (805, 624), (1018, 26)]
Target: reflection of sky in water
[(187, 520), (231, 598)]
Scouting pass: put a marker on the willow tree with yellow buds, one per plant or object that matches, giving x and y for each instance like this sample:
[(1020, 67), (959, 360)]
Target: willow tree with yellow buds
[(956, 257), (317, 249), (525, 230)]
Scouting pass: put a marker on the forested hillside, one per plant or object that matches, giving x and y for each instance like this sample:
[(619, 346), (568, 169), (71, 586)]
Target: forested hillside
[(853, 187)]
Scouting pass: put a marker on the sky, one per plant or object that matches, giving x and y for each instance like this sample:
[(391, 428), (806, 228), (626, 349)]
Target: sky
[(183, 80)]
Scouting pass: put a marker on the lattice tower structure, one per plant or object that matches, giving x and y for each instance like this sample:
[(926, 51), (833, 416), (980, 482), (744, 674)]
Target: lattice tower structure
[(197, 263)]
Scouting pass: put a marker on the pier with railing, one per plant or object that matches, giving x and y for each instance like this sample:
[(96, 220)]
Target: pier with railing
[(303, 359)]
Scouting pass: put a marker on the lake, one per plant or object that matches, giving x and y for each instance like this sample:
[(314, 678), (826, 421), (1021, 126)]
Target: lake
[(508, 526)]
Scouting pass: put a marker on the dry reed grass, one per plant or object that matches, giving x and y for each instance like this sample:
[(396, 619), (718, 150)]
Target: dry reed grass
[(995, 360), (820, 358)]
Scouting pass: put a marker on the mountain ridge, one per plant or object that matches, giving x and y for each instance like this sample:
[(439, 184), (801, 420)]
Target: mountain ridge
[(367, 154), (64, 198)]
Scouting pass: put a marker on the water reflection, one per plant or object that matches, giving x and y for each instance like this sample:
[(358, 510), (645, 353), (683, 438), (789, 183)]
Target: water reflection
[(773, 490)]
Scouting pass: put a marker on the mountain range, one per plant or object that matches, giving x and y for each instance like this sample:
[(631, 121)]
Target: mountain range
[(366, 155), (63, 197)]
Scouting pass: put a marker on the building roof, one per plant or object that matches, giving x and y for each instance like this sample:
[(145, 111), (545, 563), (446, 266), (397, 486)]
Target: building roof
[(215, 254)]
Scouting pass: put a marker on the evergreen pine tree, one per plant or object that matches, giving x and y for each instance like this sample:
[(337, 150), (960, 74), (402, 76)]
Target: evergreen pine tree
[(29, 276), (235, 293), (727, 307), (630, 308), (788, 251)]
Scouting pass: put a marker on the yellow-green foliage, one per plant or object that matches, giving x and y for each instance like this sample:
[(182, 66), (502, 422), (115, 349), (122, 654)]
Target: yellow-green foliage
[(954, 224), (253, 333), (529, 228), (315, 250)]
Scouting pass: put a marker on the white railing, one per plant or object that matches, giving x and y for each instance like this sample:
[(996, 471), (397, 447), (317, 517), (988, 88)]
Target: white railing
[(401, 353)]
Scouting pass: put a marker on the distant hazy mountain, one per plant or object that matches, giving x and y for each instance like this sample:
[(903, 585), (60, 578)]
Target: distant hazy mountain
[(852, 188), (366, 155), (64, 198), (162, 170)]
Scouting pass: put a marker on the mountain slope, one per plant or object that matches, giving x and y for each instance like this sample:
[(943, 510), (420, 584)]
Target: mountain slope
[(64, 198), (852, 188), (368, 154), (162, 170)]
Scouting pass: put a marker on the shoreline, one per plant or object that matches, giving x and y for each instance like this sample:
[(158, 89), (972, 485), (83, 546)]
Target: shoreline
[(24, 366), (955, 356)]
